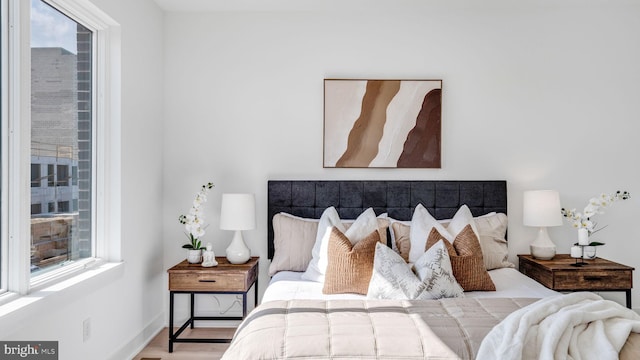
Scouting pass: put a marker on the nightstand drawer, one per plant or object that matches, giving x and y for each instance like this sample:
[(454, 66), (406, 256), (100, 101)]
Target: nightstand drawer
[(206, 282), (592, 280)]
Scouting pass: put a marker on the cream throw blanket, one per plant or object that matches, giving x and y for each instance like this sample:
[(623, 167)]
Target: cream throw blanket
[(576, 326)]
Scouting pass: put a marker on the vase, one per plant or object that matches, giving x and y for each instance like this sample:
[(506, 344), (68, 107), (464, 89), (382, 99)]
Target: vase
[(590, 252), (583, 236), (194, 256)]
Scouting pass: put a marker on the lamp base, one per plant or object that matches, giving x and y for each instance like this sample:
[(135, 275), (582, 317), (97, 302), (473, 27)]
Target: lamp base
[(238, 252), (542, 247), (543, 253)]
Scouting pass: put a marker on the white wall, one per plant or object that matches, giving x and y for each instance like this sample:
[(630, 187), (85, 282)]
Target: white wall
[(543, 94), (127, 308), (539, 94)]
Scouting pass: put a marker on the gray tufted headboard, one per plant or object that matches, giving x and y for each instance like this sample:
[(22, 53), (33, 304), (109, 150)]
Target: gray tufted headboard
[(309, 198)]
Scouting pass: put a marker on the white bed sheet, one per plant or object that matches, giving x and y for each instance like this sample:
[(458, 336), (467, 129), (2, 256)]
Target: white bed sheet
[(287, 285)]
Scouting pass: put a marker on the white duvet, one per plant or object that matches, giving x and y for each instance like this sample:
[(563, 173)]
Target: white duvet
[(575, 326)]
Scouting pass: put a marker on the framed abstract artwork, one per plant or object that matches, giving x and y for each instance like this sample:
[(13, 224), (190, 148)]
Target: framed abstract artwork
[(382, 123)]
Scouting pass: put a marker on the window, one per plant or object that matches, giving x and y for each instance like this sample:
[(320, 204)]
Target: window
[(61, 134), (35, 175), (36, 208), (63, 175), (74, 175), (51, 180), (59, 222), (63, 207)]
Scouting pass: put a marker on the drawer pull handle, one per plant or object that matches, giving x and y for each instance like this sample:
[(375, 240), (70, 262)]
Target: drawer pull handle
[(592, 278), (201, 280)]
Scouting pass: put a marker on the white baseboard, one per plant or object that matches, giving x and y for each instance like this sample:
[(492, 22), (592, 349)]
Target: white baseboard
[(138, 342)]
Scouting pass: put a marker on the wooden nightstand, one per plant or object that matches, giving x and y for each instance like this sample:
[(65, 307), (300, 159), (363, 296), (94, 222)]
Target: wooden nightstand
[(598, 275), (225, 278)]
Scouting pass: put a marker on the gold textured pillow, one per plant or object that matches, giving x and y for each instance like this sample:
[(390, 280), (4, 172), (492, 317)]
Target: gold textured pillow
[(466, 259), (349, 266)]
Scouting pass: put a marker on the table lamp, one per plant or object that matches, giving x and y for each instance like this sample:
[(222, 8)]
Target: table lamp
[(541, 208), (238, 212)]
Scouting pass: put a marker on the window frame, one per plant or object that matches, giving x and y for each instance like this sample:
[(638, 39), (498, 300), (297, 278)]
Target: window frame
[(15, 190)]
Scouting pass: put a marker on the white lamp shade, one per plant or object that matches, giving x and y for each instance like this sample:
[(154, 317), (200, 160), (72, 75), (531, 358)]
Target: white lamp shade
[(541, 208), (238, 212)]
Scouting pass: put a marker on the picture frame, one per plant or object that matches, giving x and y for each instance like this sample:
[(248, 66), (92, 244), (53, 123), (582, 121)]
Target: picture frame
[(382, 123)]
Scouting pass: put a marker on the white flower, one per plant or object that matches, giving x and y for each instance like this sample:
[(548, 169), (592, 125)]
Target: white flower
[(594, 207), (194, 220), (197, 231), (590, 210)]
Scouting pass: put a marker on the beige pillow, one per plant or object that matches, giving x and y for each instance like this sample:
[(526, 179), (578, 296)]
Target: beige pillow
[(491, 228), (466, 259), (294, 237), (350, 266), (401, 234), (493, 231)]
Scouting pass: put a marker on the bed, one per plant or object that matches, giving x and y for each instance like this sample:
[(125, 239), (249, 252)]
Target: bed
[(301, 317)]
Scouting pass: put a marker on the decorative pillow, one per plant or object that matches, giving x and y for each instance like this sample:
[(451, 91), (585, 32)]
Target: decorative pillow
[(392, 277), (402, 235), (392, 235), (349, 265), (383, 225), (294, 238), (466, 259), (422, 222), (492, 231), (365, 224), (435, 270)]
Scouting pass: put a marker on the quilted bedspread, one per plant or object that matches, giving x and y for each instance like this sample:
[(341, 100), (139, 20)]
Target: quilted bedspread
[(369, 329)]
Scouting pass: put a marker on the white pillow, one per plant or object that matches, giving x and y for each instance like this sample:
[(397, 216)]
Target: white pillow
[(422, 222), (364, 225), (392, 277)]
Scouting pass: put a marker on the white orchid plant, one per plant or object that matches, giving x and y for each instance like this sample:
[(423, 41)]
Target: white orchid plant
[(583, 220), (194, 220)]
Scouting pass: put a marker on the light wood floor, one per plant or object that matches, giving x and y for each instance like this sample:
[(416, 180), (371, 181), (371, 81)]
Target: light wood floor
[(158, 348)]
